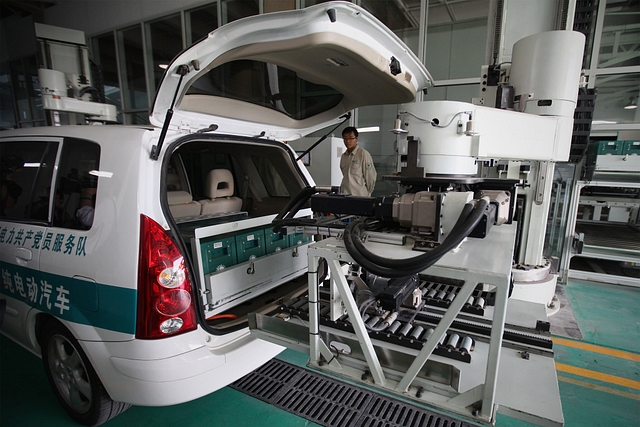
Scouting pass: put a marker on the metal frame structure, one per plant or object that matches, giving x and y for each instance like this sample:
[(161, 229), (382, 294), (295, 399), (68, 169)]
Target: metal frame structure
[(470, 263), (572, 219)]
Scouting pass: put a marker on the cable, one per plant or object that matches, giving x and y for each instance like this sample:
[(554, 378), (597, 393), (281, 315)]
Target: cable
[(455, 237), (434, 123), (306, 192), (292, 208), (223, 316), (396, 268)]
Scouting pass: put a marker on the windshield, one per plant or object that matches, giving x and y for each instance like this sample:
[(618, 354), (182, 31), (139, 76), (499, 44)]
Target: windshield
[(267, 85)]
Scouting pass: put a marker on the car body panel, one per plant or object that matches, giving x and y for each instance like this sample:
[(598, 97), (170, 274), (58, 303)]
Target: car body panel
[(351, 55)]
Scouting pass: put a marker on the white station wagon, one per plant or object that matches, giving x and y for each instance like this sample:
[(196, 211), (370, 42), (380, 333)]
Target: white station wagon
[(130, 256)]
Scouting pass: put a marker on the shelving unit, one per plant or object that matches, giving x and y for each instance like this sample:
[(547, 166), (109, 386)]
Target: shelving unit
[(602, 232)]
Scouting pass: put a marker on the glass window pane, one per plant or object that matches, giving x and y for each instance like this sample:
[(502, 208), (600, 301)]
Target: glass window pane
[(27, 170), (269, 86), (307, 3), (140, 118), (26, 86), (403, 18), (104, 54), (7, 105), (615, 92), (200, 22), (395, 15), (278, 5), (164, 38), (273, 183), (236, 9), (457, 50), (77, 185), (134, 92), (620, 35)]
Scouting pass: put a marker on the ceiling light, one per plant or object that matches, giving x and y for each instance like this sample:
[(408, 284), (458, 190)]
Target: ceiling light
[(369, 129), (632, 104)]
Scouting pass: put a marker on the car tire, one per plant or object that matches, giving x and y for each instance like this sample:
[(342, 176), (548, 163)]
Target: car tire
[(73, 379)]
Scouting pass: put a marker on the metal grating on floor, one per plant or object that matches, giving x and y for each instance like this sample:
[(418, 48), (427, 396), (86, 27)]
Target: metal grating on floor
[(333, 403)]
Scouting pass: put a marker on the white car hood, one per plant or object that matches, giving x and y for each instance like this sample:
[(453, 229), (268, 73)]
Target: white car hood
[(337, 44)]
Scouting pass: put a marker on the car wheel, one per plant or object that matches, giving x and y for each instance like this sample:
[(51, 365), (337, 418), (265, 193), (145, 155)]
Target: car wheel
[(73, 379)]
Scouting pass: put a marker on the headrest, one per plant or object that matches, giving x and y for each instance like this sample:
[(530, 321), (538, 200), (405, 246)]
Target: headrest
[(173, 182), (219, 184)]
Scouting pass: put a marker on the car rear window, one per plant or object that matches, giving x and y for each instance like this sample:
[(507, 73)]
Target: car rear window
[(267, 85)]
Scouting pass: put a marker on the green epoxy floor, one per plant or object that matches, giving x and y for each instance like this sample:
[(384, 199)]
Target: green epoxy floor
[(599, 384)]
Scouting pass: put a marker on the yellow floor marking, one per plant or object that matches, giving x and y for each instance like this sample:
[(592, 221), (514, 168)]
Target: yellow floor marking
[(561, 367), (599, 387), (597, 349)]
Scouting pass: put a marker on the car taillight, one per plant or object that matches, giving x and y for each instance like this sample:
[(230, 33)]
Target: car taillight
[(165, 307)]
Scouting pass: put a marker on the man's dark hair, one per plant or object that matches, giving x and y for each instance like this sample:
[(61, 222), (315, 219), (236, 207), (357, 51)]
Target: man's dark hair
[(350, 129)]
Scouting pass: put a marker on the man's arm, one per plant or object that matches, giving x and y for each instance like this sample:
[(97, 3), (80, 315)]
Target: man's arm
[(370, 174)]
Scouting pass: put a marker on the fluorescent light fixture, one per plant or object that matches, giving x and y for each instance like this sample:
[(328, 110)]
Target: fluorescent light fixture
[(603, 122), (632, 104), (101, 174), (163, 66), (32, 165), (369, 129)]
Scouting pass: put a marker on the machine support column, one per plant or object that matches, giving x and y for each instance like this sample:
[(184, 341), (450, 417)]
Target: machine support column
[(495, 345), (356, 320)]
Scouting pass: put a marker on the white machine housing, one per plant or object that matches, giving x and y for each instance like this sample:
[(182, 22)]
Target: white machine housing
[(67, 71), (545, 73)]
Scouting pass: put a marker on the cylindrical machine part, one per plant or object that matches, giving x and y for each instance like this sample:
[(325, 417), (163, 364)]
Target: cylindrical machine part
[(545, 72), (466, 345), (305, 307), (450, 296), (373, 321), (365, 317), (479, 303), (405, 329), (442, 339), (444, 150), (470, 301), (299, 304), (452, 342), (325, 310), (441, 295), (52, 82), (428, 333), (431, 293), (417, 331), (290, 302), (394, 327)]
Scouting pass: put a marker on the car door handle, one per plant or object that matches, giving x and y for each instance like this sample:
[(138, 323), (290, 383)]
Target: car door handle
[(23, 256)]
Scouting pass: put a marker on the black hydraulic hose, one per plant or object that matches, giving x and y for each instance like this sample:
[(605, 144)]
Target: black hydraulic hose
[(292, 208), (454, 238), (394, 268), (367, 265), (464, 215), (303, 194)]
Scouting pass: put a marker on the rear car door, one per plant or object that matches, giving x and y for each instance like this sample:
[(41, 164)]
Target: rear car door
[(28, 166)]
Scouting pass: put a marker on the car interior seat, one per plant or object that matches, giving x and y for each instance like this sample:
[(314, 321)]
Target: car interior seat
[(181, 203), (219, 188)]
